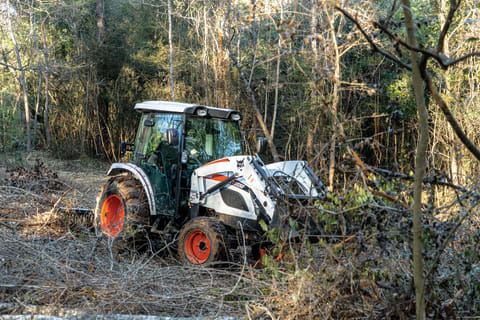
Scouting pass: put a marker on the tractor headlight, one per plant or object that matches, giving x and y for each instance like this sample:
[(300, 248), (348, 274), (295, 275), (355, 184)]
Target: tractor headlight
[(235, 117), (201, 112)]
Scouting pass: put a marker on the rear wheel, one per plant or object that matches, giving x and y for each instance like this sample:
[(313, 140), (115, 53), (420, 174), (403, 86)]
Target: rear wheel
[(202, 241), (122, 210)]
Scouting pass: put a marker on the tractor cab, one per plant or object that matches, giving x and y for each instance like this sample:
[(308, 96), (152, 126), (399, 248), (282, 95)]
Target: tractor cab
[(174, 139)]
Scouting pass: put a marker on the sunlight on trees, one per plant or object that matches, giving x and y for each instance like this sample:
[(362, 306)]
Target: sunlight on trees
[(325, 81)]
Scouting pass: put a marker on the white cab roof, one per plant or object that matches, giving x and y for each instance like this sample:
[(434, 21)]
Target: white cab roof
[(163, 106), (186, 108), (169, 106)]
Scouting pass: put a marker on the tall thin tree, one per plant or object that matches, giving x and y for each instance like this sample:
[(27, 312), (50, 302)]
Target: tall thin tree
[(22, 73), (419, 90), (170, 50)]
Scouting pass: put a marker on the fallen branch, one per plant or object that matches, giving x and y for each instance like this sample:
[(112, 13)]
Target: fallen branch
[(432, 180), (60, 199)]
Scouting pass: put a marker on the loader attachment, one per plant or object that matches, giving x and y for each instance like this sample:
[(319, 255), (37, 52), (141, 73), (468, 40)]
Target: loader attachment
[(295, 180), (243, 188)]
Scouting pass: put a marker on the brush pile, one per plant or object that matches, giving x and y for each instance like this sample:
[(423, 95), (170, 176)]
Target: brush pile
[(37, 179)]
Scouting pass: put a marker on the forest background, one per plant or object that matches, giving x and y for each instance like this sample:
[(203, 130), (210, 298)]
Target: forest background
[(325, 82)]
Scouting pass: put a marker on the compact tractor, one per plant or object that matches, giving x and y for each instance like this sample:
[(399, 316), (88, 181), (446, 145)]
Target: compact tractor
[(188, 173)]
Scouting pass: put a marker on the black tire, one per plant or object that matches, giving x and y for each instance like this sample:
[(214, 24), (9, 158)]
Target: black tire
[(202, 241), (122, 214)]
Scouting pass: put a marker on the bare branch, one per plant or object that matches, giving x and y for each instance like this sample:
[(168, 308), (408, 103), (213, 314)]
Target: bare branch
[(402, 42), (258, 115), (462, 58), (450, 118), (392, 11), (444, 61), (11, 67), (433, 180), (448, 21), (374, 46)]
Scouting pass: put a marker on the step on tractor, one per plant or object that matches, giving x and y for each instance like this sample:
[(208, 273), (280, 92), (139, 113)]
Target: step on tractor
[(190, 176)]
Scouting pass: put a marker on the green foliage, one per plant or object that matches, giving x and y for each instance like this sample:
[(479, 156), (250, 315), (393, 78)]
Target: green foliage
[(12, 130), (400, 91), (329, 221)]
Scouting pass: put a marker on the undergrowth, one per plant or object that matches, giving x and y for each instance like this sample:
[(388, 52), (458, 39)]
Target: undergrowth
[(352, 259)]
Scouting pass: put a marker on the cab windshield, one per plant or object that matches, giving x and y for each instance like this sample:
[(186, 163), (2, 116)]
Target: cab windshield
[(210, 139)]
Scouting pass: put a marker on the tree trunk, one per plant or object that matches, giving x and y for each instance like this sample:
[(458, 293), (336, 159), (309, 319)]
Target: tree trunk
[(277, 75), (418, 87), (313, 30), (205, 53), (455, 176), (100, 22), (37, 105), (46, 74), (277, 79), (40, 79), (170, 50), (222, 67), (22, 75), (336, 124), (101, 93)]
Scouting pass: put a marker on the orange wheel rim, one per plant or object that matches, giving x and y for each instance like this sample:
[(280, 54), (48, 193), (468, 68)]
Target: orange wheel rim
[(112, 216), (197, 247)]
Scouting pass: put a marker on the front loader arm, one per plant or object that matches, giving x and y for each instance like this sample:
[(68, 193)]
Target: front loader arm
[(242, 186)]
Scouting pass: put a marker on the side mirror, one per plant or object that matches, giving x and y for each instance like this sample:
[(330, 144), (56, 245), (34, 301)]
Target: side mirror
[(148, 123), (261, 144), (126, 146), (172, 137)]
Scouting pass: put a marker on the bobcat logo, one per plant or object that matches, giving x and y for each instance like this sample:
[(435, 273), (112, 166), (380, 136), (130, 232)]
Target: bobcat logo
[(240, 164)]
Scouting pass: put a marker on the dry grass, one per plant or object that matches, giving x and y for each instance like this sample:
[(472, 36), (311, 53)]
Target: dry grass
[(55, 260), (75, 272), (52, 262)]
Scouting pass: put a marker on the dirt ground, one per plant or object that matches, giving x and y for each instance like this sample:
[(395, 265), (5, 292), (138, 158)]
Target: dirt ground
[(83, 176), (53, 264)]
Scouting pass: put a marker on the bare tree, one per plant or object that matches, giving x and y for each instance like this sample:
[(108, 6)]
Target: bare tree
[(170, 50), (251, 93), (101, 100), (205, 54), (277, 73), (418, 88), (21, 70), (39, 91), (46, 74)]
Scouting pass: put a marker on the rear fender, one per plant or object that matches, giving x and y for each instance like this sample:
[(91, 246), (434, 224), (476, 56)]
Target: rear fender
[(118, 168)]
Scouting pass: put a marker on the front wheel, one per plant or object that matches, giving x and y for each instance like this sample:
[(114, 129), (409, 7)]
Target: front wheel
[(122, 210), (202, 241)]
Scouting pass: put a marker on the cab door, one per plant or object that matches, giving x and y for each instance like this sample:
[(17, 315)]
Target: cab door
[(158, 158)]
